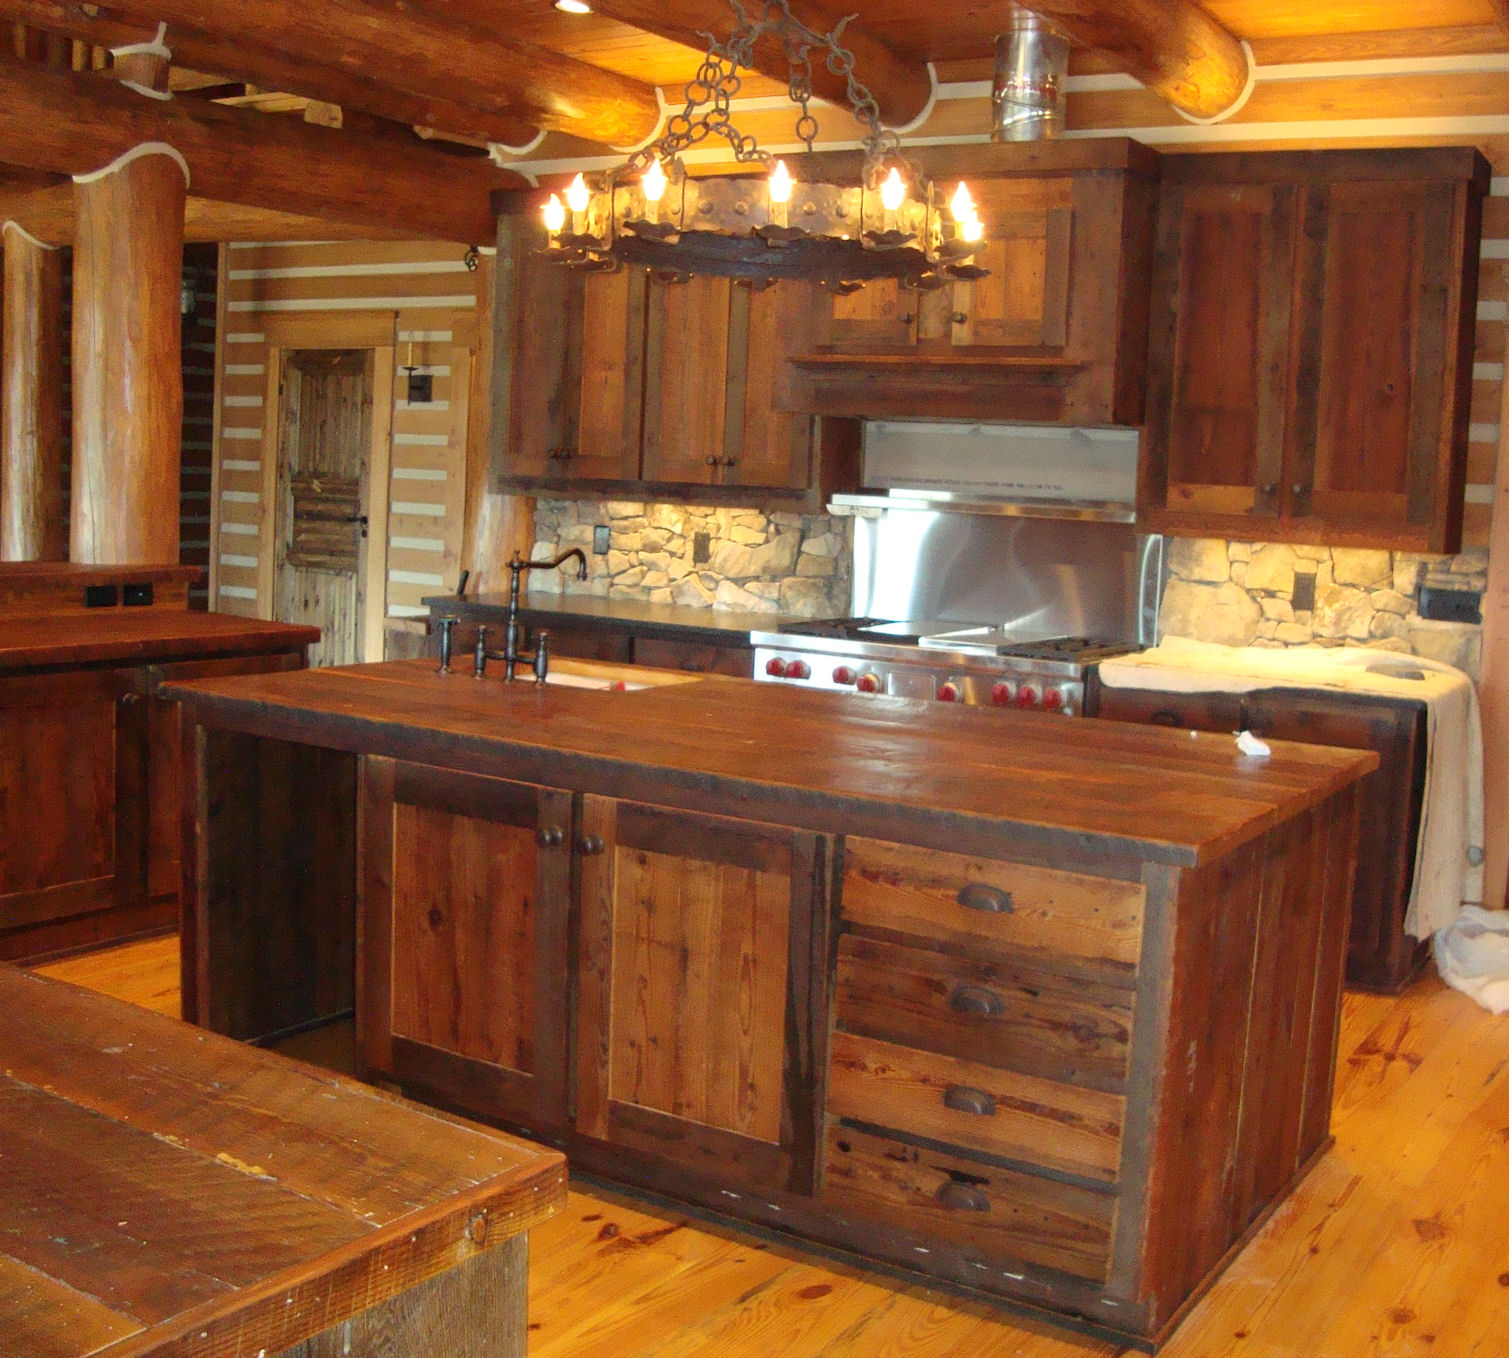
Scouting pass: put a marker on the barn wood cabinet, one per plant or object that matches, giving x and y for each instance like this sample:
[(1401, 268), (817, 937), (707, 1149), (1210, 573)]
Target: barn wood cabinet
[(1055, 331), (89, 767), (1311, 341), (1380, 955), (632, 384)]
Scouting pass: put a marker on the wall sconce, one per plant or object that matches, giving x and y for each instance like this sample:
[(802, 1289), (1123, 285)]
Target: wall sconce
[(421, 386), (188, 293)]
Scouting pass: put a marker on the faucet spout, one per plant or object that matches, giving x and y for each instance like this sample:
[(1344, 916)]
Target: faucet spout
[(516, 568)]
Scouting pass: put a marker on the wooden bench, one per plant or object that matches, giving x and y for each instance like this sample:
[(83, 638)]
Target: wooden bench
[(165, 1191)]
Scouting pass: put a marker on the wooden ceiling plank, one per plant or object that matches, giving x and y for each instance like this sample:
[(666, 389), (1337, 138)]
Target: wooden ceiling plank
[(279, 70), (901, 86), (1382, 46), (397, 45), (1174, 47), (65, 123)]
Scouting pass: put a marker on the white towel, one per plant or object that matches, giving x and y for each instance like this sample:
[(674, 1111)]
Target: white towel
[(1449, 854)]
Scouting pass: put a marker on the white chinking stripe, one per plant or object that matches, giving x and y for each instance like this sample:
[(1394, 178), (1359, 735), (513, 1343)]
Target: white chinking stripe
[(455, 302), (352, 270), (147, 148), (26, 235)]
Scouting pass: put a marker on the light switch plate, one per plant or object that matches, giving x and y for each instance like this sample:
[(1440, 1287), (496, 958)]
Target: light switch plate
[(600, 537)]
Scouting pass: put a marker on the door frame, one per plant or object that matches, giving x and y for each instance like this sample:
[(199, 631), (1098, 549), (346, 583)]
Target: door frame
[(369, 640)]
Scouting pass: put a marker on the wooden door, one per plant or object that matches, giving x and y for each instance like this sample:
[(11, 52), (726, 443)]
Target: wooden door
[(1372, 401), (1219, 354), (461, 954), (73, 800), (1024, 299), (324, 455), (694, 1035), (765, 443)]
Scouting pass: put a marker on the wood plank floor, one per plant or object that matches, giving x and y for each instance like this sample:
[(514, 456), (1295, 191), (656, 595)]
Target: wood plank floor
[(1396, 1246)]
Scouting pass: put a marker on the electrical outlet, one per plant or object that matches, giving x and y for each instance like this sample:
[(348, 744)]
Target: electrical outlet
[(702, 549), (1450, 605), (1304, 591), (600, 538)]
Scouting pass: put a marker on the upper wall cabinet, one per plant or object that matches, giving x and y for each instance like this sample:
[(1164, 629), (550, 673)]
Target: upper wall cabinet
[(627, 383), (1055, 331), (1310, 356)]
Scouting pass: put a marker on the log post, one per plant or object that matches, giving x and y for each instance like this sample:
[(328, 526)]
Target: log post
[(127, 366), (32, 526)]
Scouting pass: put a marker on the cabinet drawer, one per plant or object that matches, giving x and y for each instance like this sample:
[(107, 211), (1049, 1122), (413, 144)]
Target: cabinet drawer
[(997, 1013), (1009, 905), (977, 1107), (999, 1213)]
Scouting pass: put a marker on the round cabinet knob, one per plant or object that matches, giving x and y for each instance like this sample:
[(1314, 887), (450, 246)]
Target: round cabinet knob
[(1053, 699), (1026, 696), (843, 675), (1001, 693), (590, 845), (776, 667), (868, 683), (949, 692), (797, 669), (548, 836)]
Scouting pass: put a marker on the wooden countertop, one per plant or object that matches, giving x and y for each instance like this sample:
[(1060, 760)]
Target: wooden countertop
[(115, 635), (78, 572), (832, 762), (172, 1192), (667, 622)]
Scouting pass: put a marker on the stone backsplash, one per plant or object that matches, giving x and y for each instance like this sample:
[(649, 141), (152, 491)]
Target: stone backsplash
[(1253, 594), (700, 556)]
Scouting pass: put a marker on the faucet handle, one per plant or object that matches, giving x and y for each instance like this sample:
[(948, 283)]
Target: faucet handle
[(480, 654), (447, 626), (541, 656)]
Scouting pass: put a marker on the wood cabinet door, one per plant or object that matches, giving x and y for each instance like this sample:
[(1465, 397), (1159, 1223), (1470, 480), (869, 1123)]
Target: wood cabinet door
[(686, 379), (462, 952), (1219, 355), (880, 316), (694, 1021), (73, 798), (1372, 400), (1023, 302), (1182, 711), (765, 443), (1379, 953)]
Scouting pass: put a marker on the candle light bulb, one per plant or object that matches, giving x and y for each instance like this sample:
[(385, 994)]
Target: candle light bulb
[(962, 206), (780, 183), (893, 191), (555, 214), (972, 229), (653, 182), (577, 196)]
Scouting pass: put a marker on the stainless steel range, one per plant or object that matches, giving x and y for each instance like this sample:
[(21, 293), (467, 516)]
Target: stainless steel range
[(1010, 604), (941, 660)]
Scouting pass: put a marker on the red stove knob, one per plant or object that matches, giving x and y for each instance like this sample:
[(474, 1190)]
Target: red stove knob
[(797, 669), (1053, 699), (776, 667), (868, 683), (949, 692), (1001, 693), (1026, 696), (843, 675)]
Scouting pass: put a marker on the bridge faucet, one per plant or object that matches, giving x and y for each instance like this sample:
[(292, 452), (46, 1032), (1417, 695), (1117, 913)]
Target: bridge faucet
[(511, 654)]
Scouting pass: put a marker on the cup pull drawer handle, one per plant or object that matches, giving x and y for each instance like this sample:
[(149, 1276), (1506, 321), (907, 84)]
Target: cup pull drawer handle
[(976, 999), (962, 1197), (991, 899), (967, 1099)]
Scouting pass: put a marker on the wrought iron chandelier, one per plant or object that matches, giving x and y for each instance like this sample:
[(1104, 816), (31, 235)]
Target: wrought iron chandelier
[(891, 224)]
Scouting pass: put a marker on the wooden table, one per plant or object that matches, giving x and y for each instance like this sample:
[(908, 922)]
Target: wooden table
[(171, 1192)]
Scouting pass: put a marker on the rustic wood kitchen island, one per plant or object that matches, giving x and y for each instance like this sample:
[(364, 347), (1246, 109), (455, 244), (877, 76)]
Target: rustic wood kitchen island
[(1044, 1010)]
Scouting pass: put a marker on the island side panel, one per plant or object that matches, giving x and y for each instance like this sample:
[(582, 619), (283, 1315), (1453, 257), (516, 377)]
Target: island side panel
[(269, 882), (1249, 1052)]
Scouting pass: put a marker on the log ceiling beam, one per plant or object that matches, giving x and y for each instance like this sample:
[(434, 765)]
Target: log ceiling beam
[(1174, 47), (901, 86), (63, 123), (278, 70), (1501, 12), (423, 53)]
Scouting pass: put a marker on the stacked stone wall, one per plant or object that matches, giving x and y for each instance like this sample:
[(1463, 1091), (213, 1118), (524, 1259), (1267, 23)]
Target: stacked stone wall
[(762, 563), (1253, 594)]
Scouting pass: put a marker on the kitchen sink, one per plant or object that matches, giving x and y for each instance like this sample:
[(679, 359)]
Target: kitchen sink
[(597, 681)]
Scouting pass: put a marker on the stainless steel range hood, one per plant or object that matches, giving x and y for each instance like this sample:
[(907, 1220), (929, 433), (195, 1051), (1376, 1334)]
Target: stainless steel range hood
[(1020, 470)]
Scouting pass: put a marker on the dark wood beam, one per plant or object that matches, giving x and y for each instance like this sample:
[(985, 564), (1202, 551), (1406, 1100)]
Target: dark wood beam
[(65, 123), (276, 69), (50, 214), (1174, 47), (1501, 12), (901, 87), (394, 44)]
